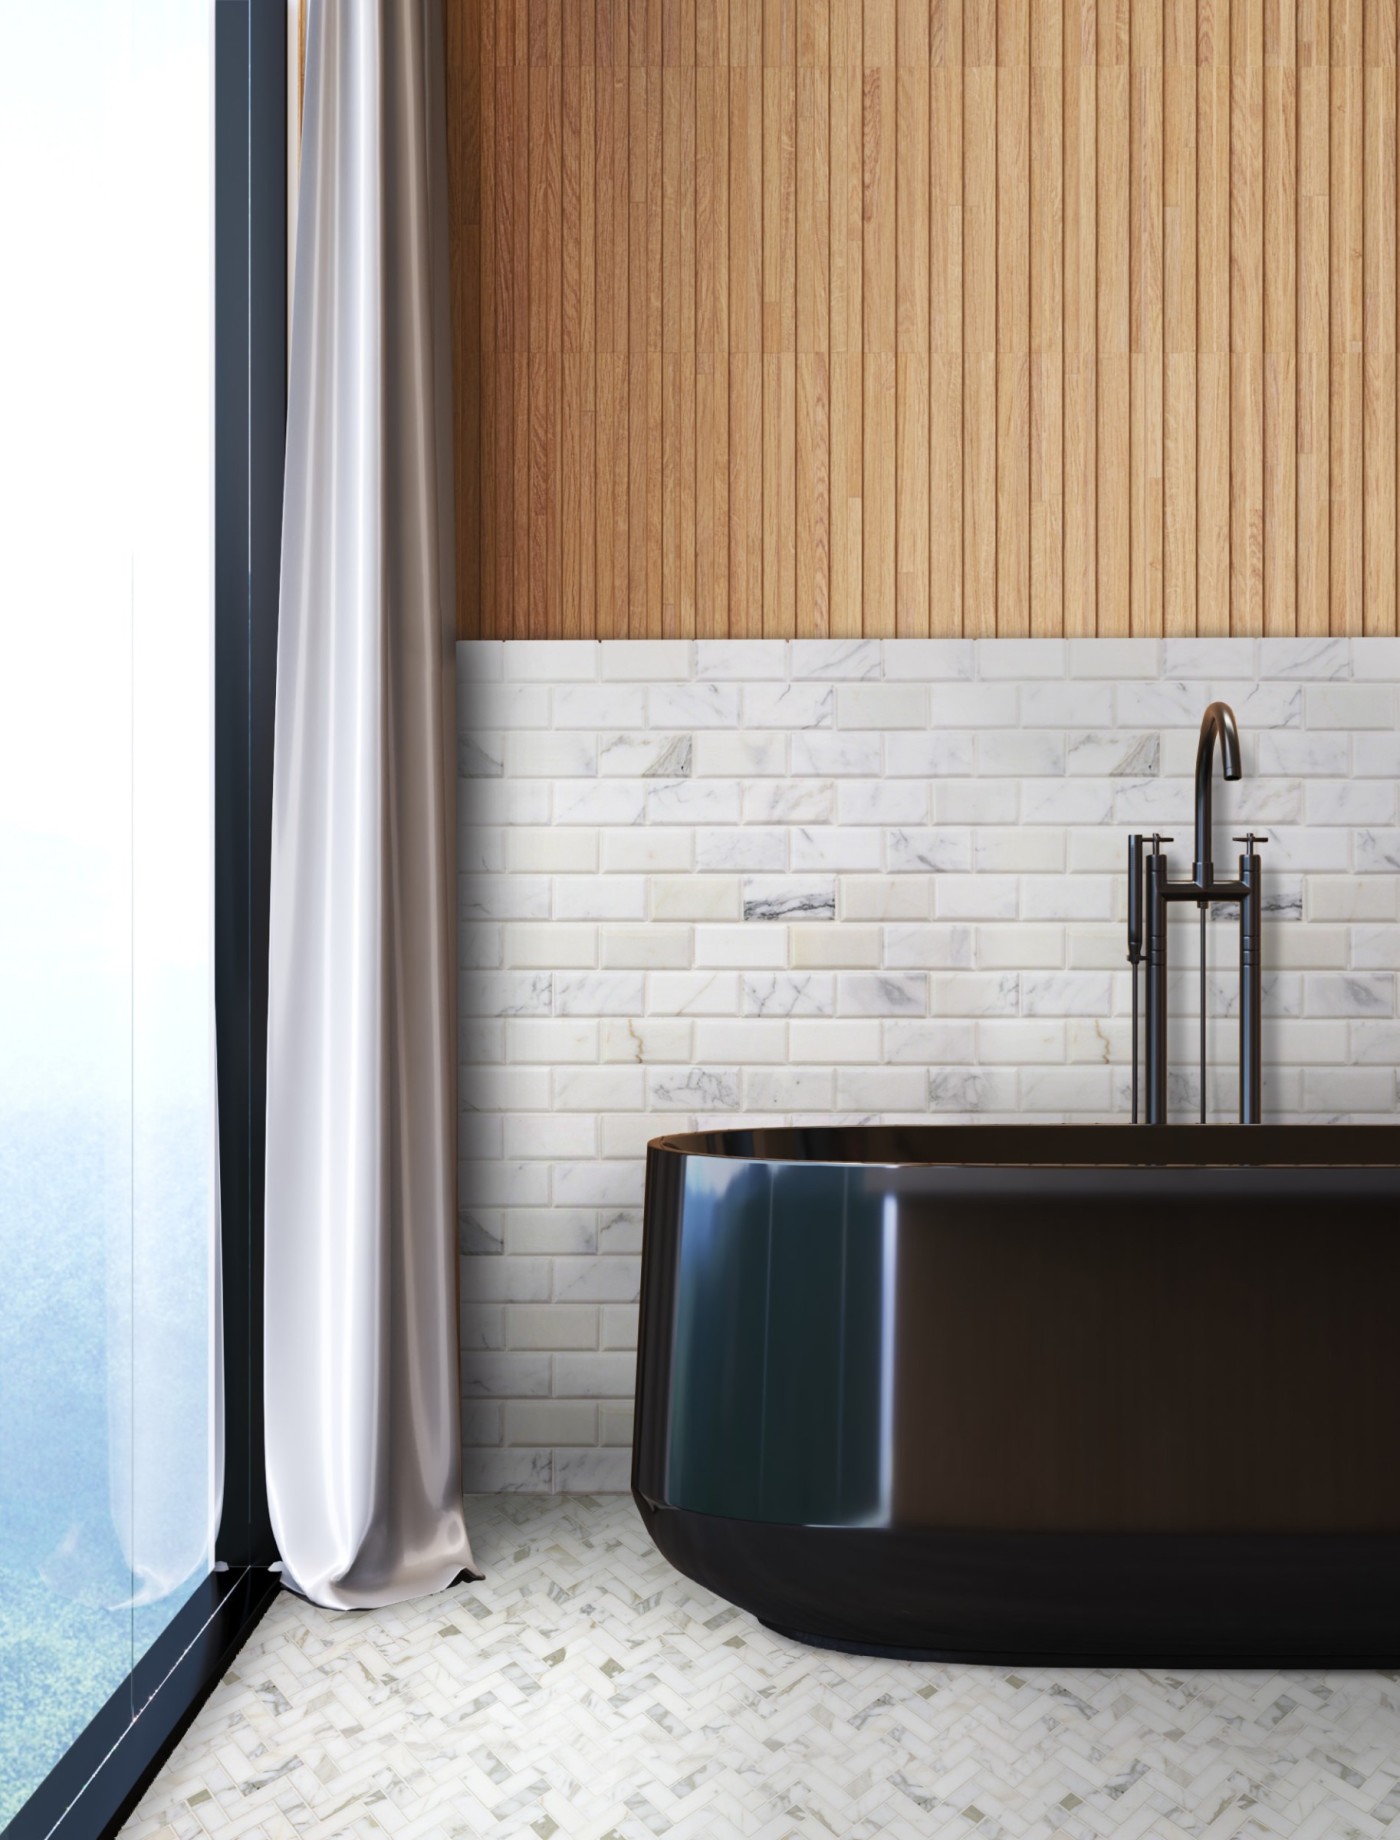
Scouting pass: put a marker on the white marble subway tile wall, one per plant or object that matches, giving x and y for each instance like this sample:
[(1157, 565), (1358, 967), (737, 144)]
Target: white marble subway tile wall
[(704, 883)]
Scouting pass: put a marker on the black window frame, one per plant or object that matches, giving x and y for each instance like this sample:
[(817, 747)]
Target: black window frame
[(93, 1788)]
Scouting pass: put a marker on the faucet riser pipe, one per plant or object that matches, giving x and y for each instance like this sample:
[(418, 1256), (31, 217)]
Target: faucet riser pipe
[(1251, 960), (1156, 989)]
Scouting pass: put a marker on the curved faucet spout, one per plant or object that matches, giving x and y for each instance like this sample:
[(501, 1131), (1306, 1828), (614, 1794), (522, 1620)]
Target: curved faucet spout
[(1219, 720)]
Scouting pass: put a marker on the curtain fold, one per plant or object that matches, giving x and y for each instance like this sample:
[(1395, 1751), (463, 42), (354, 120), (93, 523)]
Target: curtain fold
[(363, 1414)]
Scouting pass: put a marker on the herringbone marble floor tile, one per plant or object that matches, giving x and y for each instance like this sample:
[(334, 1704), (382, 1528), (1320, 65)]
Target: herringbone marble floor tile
[(585, 1690)]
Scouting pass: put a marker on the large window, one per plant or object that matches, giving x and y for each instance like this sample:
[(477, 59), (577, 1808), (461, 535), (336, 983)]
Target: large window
[(109, 1481)]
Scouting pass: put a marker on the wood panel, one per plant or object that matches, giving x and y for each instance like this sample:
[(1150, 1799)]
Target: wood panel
[(949, 317)]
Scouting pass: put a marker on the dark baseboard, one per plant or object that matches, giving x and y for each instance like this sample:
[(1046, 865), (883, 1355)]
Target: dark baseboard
[(96, 1784)]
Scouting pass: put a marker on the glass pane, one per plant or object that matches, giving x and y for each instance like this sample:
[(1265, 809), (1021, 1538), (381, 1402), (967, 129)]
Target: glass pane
[(106, 1350)]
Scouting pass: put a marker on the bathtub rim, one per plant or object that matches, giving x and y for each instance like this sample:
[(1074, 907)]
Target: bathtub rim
[(1175, 1147)]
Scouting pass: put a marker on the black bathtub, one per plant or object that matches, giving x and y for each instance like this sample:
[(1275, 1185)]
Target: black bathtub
[(1031, 1393)]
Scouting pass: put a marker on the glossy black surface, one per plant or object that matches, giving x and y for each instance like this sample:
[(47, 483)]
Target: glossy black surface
[(1052, 1346)]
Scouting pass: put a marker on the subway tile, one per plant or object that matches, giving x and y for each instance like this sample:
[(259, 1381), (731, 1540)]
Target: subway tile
[(1376, 754), (650, 947), (917, 755), (601, 1185), (695, 897), (749, 847), (505, 1472), (741, 659), (506, 993), (551, 851), (1065, 993), (615, 1424), (970, 1090), (599, 897), (975, 993), (552, 661), (617, 1327), (613, 1279), (663, 756), (789, 993), (1022, 948), (882, 801), (560, 754), (693, 705), (550, 1421), (523, 1139), (871, 897), (742, 946), (592, 1472), (693, 993), (598, 993), (1022, 658), (930, 659), (742, 755), (1020, 1041), (496, 1374), (835, 846), (1337, 897), (1067, 897), (553, 1230), (798, 706), (620, 801), (598, 1089), (980, 801), (648, 850), (746, 1040), (644, 1038), (1350, 993), (691, 801), (789, 897), (600, 706), (882, 993), (882, 706), (928, 1041), (594, 1376), (1117, 658), (788, 1089), (1074, 705), (1020, 753), (976, 897), (1116, 755), (937, 947), (853, 658), (1319, 659), (654, 660), (928, 849), (1214, 659), (820, 948), (1017, 850), (1304, 752), (562, 947), (812, 1040), (1350, 801), (685, 1089), (881, 1089), (811, 801), (1350, 705), (842, 755)]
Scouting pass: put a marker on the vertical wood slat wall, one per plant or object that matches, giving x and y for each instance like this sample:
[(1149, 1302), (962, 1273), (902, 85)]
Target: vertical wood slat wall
[(908, 317)]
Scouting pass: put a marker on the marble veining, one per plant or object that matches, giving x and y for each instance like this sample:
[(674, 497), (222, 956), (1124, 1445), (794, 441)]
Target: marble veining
[(582, 1689)]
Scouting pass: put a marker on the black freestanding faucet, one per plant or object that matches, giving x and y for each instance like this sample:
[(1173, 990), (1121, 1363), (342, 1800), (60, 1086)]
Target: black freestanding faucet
[(1150, 918)]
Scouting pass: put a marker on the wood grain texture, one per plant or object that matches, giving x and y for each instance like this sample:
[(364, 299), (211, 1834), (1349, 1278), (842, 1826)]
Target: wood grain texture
[(841, 317)]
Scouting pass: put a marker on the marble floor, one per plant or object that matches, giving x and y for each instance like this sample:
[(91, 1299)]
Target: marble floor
[(584, 1689)]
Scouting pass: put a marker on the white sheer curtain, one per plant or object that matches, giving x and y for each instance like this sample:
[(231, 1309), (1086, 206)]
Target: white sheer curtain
[(363, 1418)]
